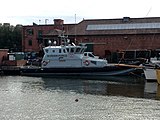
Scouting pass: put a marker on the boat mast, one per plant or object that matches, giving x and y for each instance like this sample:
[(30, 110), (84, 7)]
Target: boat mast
[(75, 30)]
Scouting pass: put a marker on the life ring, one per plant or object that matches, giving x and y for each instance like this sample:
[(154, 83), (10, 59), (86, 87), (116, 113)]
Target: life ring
[(86, 62)]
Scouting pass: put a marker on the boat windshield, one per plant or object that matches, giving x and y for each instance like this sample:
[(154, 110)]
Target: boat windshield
[(46, 50), (90, 55), (86, 54), (78, 50), (72, 50)]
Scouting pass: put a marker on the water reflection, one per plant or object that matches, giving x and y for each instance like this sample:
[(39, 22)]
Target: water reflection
[(158, 92), (114, 86)]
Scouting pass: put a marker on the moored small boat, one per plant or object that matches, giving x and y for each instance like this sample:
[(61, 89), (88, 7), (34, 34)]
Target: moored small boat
[(150, 74), (150, 69), (68, 59)]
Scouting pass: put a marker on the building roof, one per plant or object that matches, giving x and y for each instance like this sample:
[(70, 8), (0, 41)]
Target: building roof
[(125, 25)]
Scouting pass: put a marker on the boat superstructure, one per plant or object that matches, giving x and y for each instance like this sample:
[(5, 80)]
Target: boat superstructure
[(70, 56)]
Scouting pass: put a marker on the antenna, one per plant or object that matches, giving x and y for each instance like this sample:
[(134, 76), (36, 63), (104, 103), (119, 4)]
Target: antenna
[(75, 29), (39, 22), (46, 21), (149, 11)]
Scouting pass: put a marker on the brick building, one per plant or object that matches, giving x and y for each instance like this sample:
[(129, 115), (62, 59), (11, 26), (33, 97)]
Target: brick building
[(102, 36)]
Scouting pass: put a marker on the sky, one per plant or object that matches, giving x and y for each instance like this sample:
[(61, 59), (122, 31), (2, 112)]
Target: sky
[(26, 12)]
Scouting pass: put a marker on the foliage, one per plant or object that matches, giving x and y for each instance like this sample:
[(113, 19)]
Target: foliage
[(10, 37)]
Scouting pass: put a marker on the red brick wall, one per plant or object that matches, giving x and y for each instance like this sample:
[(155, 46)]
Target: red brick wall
[(101, 43), (34, 37), (3, 54), (115, 43)]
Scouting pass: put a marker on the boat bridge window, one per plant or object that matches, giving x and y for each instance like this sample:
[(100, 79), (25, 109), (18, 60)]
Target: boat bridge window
[(53, 51), (67, 49), (60, 51), (78, 50), (46, 50), (64, 50), (82, 50), (72, 50)]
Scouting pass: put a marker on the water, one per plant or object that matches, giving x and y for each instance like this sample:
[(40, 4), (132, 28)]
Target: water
[(31, 98)]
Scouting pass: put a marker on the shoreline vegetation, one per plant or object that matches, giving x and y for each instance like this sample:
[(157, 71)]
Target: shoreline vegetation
[(10, 37)]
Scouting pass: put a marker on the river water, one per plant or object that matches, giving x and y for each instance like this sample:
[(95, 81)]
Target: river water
[(36, 98)]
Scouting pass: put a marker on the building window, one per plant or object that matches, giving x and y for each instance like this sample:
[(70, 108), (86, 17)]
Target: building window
[(39, 33), (29, 31), (30, 42)]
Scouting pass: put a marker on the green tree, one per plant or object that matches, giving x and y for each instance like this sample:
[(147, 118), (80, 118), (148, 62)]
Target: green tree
[(10, 37)]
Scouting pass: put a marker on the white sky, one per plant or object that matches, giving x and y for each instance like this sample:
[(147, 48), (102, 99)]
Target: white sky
[(26, 12)]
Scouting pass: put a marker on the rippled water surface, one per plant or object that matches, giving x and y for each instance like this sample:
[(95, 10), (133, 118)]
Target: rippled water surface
[(31, 98)]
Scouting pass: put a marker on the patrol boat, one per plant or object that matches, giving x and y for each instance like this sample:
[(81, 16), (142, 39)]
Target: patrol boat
[(68, 59)]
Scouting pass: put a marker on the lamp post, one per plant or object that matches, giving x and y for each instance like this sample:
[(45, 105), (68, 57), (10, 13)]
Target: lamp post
[(46, 21), (39, 22)]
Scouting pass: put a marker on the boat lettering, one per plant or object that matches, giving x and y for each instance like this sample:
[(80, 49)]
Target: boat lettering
[(61, 59), (56, 55)]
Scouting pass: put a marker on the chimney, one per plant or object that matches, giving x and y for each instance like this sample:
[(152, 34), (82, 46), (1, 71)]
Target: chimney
[(58, 22), (126, 19)]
